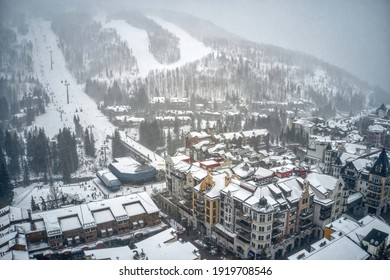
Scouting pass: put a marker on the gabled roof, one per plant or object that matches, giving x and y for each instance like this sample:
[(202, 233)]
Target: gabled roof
[(381, 166)]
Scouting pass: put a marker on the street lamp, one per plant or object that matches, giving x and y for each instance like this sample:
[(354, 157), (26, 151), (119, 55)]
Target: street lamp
[(67, 90)]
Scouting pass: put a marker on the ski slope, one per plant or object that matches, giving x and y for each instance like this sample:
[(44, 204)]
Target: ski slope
[(137, 40), (59, 114)]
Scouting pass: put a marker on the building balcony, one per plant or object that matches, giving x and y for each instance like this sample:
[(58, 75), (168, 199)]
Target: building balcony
[(277, 224), (378, 183), (325, 216), (188, 190), (374, 189), (305, 225), (277, 232), (244, 235), (373, 196), (243, 224), (306, 214), (325, 211), (199, 209), (372, 203), (200, 200), (243, 216), (278, 215), (200, 218)]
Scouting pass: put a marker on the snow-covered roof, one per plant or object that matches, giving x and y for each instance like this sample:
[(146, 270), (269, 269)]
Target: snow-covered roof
[(118, 108), (353, 197), (164, 246), (347, 157), (355, 148), (255, 132), (362, 163), (57, 220), (244, 170), (125, 164), (15, 255), (322, 182), (201, 134), (376, 128), (219, 180), (198, 173), (178, 158), (87, 215), (103, 216), (134, 209), (178, 99), (366, 224), (70, 223), (231, 135), (339, 249), (199, 145), (116, 253), (157, 99)]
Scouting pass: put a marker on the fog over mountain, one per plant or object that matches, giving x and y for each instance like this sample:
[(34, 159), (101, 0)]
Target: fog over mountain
[(353, 35)]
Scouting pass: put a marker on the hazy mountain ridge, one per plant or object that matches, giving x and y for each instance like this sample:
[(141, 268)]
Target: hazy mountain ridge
[(218, 38)]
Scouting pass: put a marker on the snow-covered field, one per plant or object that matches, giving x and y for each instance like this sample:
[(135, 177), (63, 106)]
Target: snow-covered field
[(60, 114), (137, 39)]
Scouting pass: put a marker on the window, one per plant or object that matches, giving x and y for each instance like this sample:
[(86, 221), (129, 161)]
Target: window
[(261, 237), (262, 218), (254, 227), (269, 217), (269, 227), (261, 229), (253, 236), (268, 237), (254, 216)]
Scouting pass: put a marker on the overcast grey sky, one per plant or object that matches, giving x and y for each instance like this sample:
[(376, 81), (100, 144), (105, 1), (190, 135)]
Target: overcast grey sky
[(351, 34)]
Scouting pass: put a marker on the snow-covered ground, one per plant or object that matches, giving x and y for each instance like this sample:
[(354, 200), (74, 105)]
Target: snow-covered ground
[(60, 114), (90, 191), (137, 39)]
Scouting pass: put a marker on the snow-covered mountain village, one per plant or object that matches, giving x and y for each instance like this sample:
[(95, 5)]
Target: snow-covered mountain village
[(156, 135)]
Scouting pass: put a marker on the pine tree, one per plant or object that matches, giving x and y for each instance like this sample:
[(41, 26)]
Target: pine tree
[(33, 204), (6, 192), (87, 142), (12, 149), (169, 143), (176, 126), (92, 145), (26, 173)]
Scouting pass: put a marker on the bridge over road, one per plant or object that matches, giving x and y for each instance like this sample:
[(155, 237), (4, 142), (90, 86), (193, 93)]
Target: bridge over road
[(142, 152)]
